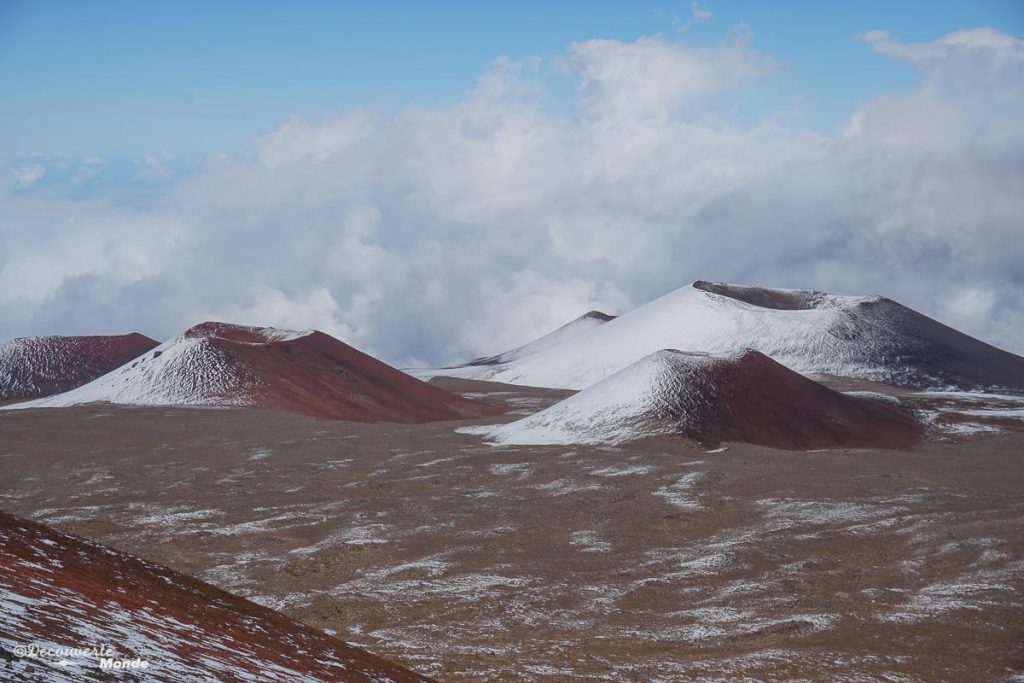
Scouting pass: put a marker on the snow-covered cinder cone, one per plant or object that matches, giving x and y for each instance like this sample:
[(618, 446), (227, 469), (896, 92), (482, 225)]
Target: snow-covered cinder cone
[(814, 333), (745, 397), (309, 372), (34, 367)]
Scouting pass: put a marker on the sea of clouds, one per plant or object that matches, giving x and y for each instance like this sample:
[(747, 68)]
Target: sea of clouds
[(435, 234)]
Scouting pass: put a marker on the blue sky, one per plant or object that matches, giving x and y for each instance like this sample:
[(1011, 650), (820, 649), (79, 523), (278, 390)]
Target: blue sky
[(120, 78)]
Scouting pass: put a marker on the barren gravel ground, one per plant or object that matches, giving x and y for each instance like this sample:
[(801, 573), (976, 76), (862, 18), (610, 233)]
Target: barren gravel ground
[(660, 562)]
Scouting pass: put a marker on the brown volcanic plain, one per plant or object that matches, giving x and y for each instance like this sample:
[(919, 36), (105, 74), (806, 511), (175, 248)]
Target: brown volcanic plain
[(650, 561)]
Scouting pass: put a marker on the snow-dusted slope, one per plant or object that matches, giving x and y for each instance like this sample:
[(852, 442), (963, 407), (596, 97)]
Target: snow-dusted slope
[(743, 397), (63, 593), (32, 367), (870, 338), (307, 372), (485, 367), (586, 322), (188, 370)]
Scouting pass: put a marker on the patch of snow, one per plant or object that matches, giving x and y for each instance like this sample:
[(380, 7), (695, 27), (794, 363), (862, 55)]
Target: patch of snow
[(560, 487), (518, 468), (875, 395), (680, 494), (589, 542), (622, 471)]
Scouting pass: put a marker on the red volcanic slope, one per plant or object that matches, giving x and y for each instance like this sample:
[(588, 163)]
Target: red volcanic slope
[(760, 401), (60, 591), (32, 367), (304, 372), (321, 376)]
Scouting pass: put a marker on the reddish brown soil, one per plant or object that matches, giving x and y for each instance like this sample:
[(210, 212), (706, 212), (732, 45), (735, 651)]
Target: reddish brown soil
[(51, 365), (754, 399), (653, 561), (321, 376), (62, 572)]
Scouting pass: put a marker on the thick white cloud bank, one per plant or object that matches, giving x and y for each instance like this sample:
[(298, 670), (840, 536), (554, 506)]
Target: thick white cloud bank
[(432, 235)]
